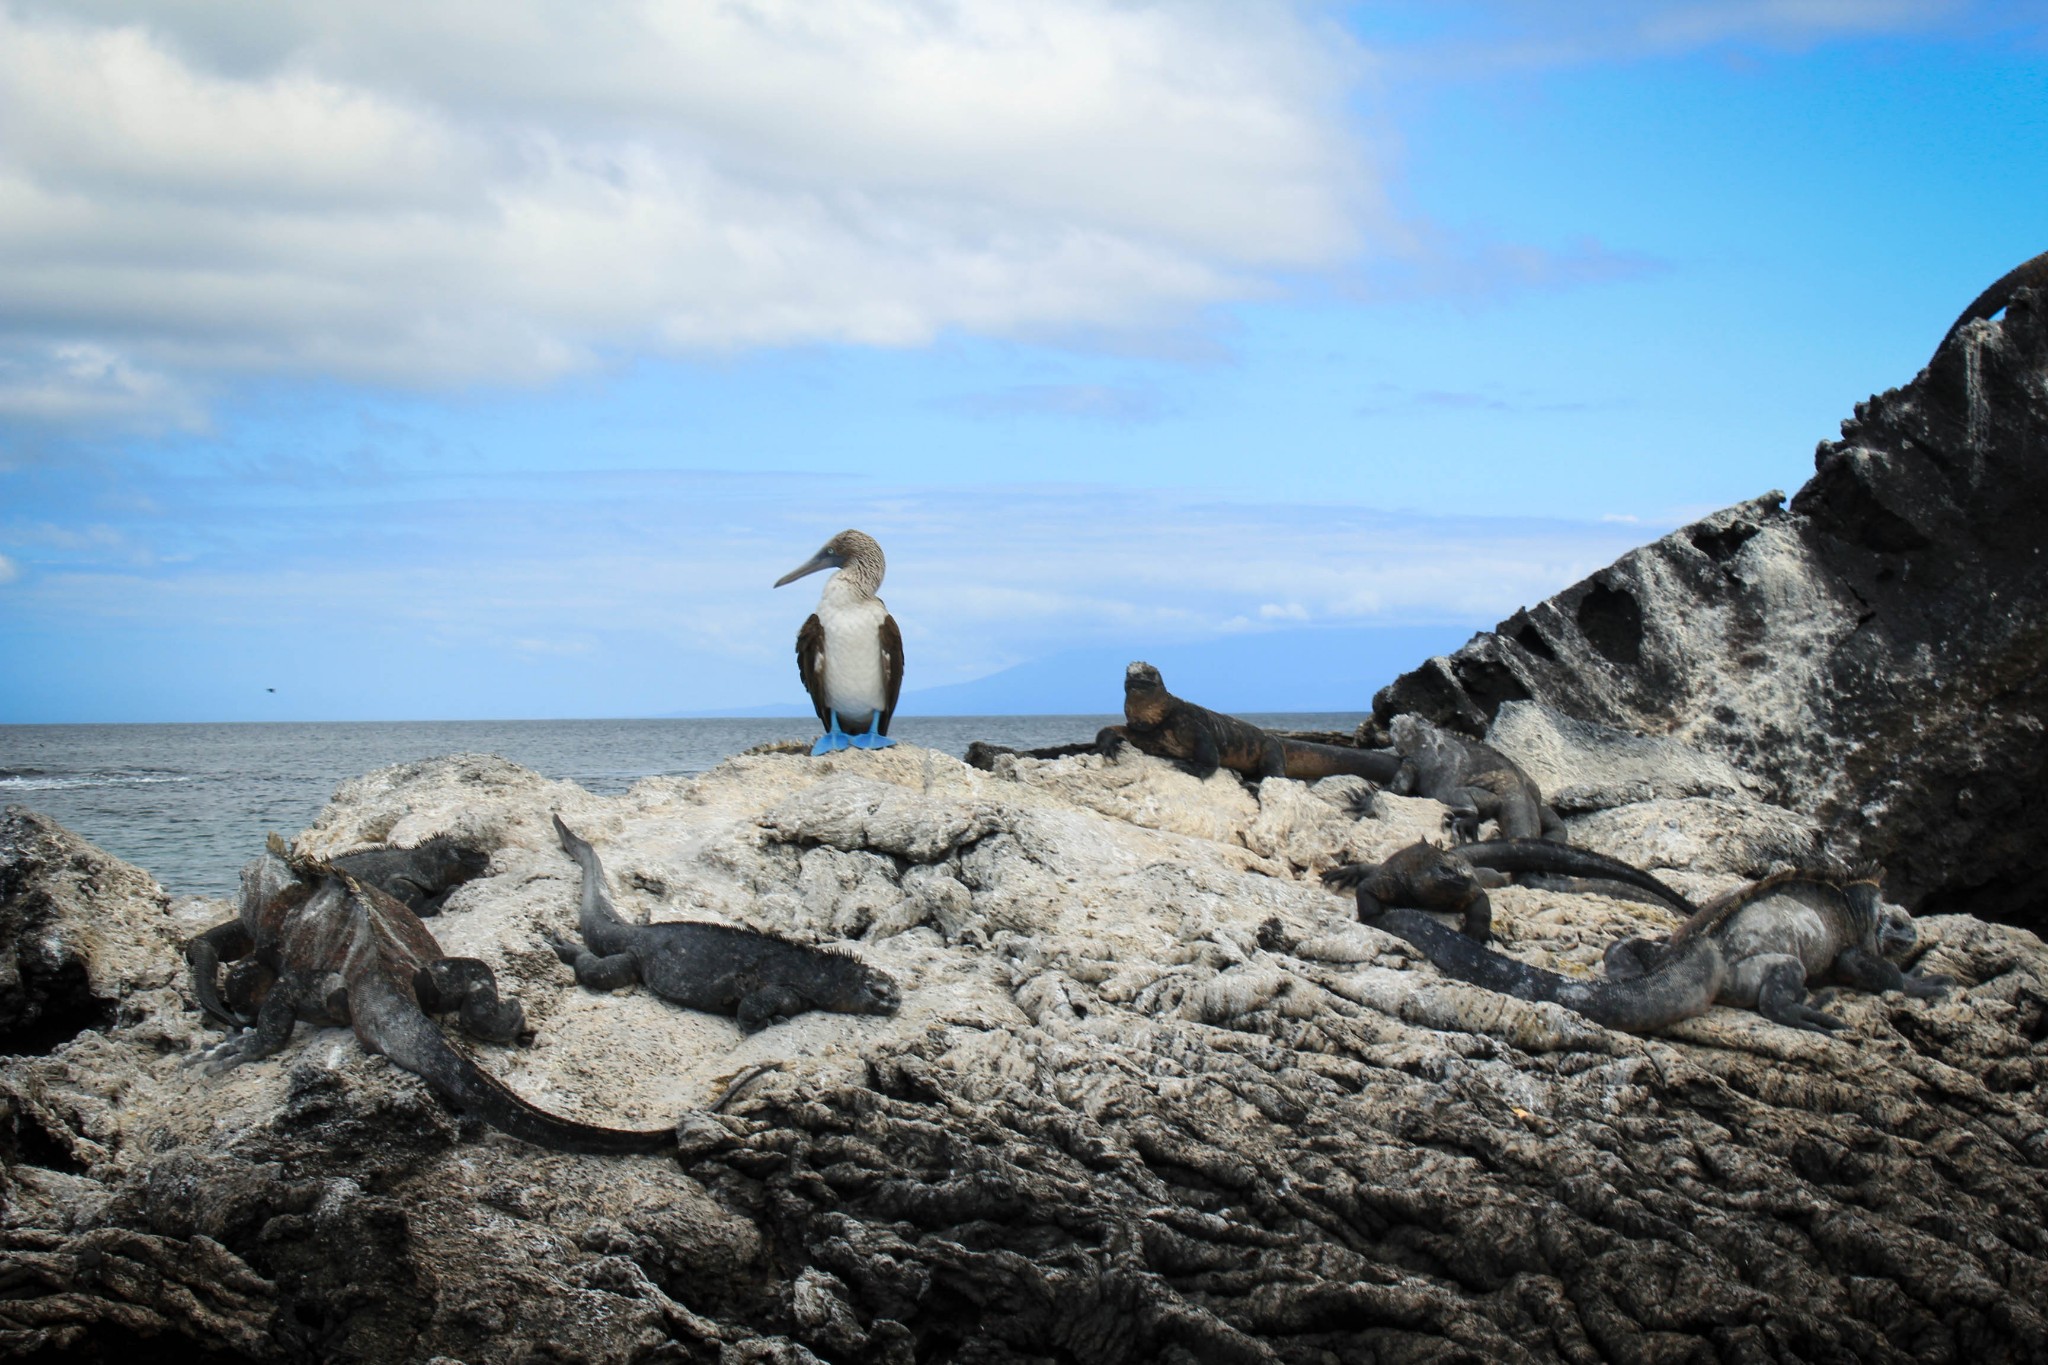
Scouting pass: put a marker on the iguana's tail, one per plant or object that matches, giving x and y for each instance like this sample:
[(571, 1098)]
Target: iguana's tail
[(2027, 274), (1684, 985), (1309, 761), (1547, 855), (389, 1023), (597, 908)]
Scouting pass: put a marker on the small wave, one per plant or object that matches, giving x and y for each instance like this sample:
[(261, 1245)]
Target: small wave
[(22, 782)]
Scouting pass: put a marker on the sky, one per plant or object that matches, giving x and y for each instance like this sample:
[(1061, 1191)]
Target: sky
[(449, 359)]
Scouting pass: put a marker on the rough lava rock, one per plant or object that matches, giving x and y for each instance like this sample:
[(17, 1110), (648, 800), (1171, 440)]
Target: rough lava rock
[(1876, 652), (1153, 1094), (78, 931)]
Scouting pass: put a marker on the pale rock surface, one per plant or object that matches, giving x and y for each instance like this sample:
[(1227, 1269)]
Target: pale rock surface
[(1152, 1094)]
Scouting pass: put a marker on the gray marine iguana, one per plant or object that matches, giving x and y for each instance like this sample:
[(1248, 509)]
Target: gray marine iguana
[(1425, 877), (317, 944), (1477, 781), (1158, 723), (716, 967), (2031, 274), (1755, 948), (422, 877)]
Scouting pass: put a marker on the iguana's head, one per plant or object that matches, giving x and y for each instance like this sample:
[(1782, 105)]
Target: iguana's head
[(1411, 733), (445, 863), (1890, 928), (1145, 694), (1896, 935), (846, 984)]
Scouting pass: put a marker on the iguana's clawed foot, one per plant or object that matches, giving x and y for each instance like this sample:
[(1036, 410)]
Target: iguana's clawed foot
[(224, 1056), (769, 1005), (1809, 1018), (1931, 986), (1348, 876), (564, 949), (1359, 804), (1109, 741)]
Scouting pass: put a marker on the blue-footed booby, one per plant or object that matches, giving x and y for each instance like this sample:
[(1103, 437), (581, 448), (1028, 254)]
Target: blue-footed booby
[(850, 654)]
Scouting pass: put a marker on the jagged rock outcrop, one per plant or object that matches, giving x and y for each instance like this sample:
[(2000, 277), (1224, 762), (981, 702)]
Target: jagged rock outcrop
[(1876, 652), (1153, 1094), (78, 931)]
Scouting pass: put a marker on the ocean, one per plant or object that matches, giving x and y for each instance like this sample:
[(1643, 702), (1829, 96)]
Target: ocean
[(191, 803)]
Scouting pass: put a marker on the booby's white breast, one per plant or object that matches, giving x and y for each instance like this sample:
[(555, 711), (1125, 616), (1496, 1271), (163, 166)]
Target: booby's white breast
[(856, 682)]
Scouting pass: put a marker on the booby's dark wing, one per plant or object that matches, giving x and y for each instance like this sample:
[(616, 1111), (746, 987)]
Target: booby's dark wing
[(892, 667), (810, 666)]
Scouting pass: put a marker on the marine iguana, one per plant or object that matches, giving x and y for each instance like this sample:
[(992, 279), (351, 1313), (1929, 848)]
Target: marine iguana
[(2031, 274), (1425, 877), (1158, 723), (715, 967), (422, 877), (1477, 781), (328, 949), (1754, 948)]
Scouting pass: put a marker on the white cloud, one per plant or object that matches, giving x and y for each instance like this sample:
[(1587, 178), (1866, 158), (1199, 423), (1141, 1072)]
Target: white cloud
[(9, 570), (440, 193)]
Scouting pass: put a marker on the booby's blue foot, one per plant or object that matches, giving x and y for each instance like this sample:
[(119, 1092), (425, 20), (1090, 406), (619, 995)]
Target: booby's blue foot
[(834, 738), (873, 739)]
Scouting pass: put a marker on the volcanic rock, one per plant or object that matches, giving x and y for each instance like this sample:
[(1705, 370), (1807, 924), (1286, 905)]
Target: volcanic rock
[(1153, 1094), (1876, 652)]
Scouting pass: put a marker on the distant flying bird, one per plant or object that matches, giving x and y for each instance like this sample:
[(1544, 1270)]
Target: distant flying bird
[(850, 654), (270, 689)]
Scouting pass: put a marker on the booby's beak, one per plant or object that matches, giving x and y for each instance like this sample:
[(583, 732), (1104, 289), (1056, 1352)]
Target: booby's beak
[(824, 559)]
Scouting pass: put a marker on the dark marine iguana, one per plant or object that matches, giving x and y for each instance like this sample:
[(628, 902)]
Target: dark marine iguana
[(2031, 274), (716, 967), (422, 877), (1755, 948), (1425, 877), (1477, 781), (322, 946), (1158, 723)]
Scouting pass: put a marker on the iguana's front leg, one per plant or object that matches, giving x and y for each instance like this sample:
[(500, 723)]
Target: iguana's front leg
[(1781, 998), (1348, 876), (1868, 971), (1110, 740), (273, 1030), (594, 972), (1206, 758), (1478, 925), (247, 985), (764, 1005), (467, 984), (1406, 778)]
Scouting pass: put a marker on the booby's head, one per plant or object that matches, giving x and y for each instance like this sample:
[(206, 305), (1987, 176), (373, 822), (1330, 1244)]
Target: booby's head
[(855, 550)]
